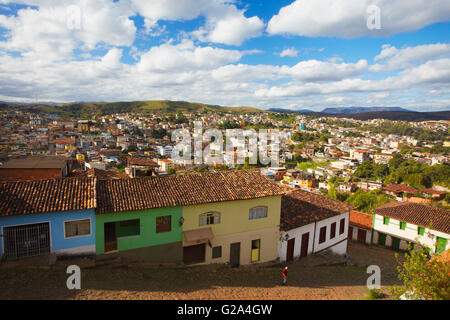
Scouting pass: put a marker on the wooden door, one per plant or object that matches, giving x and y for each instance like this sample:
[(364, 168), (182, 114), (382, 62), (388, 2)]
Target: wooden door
[(110, 237), (235, 254), (382, 239), (362, 234), (305, 243), (290, 250), (350, 233), (395, 243), (194, 254)]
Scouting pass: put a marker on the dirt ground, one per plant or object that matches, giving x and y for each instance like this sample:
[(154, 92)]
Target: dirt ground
[(313, 278)]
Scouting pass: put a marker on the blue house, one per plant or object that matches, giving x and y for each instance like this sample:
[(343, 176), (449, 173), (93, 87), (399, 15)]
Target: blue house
[(47, 216)]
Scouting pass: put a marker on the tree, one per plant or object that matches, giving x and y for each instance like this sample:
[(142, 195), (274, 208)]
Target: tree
[(422, 277), (171, 171)]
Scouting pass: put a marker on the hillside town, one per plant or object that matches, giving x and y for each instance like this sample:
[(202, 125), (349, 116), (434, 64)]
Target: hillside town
[(109, 188)]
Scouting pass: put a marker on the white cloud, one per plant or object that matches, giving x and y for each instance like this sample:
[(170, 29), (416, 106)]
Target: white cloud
[(314, 70), (348, 18), (392, 58), (289, 52), (53, 31), (186, 56), (224, 22)]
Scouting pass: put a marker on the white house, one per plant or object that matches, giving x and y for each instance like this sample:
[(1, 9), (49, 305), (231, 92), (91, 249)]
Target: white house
[(312, 223), (397, 223)]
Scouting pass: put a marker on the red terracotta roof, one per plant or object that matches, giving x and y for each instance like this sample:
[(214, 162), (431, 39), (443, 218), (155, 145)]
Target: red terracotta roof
[(41, 196), (399, 188), (361, 219), (418, 214), (101, 174), (143, 162), (191, 189), (300, 208)]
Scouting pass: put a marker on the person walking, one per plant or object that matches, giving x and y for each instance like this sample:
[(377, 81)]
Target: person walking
[(284, 275)]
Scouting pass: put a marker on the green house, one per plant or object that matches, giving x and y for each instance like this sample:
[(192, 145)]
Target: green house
[(149, 235)]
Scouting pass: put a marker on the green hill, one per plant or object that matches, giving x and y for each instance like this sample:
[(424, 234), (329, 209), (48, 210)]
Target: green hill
[(88, 110)]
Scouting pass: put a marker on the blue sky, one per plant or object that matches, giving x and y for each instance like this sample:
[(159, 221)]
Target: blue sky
[(293, 54)]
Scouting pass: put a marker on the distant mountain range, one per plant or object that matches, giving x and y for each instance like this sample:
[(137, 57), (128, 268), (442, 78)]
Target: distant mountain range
[(353, 110), (87, 110), (281, 110)]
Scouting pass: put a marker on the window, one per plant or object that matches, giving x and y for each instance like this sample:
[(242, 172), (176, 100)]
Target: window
[(385, 220), (217, 252), (209, 218), (128, 228), (402, 225), (421, 231), (322, 234), (163, 224), (258, 213), (342, 227), (77, 228), (333, 230), (256, 245)]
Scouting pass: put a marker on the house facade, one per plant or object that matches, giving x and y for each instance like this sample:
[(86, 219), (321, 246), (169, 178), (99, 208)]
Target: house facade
[(398, 223), (311, 223), (227, 216), (240, 232), (61, 222)]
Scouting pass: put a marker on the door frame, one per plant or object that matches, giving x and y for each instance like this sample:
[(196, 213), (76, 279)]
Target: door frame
[(235, 245), (290, 253), (303, 244), (115, 237)]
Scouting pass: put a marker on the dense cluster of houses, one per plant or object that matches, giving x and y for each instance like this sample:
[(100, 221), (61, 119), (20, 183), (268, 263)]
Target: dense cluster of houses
[(235, 217), (225, 217)]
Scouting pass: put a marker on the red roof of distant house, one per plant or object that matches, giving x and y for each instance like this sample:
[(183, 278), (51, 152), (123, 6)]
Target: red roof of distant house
[(361, 219), (431, 191), (144, 162), (399, 188)]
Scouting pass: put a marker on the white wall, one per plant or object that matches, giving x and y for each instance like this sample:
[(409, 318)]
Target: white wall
[(409, 234), (337, 245), (297, 234)]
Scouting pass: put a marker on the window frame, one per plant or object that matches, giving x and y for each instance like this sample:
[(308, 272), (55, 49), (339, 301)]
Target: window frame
[(164, 230), (77, 236), (333, 230), (324, 234), (255, 214), (342, 227), (204, 218), (420, 231), (402, 225), (386, 221), (216, 248)]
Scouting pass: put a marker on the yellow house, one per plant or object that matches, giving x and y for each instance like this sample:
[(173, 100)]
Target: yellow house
[(239, 232)]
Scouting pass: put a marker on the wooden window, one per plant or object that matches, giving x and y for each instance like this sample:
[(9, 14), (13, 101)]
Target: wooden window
[(77, 228), (333, 230), (257, 213), (402, 225), (209, 218), (217, 252), (163, 224), (421, 231), (256, 248), (385, 220), (342, 227), (322, 234)]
